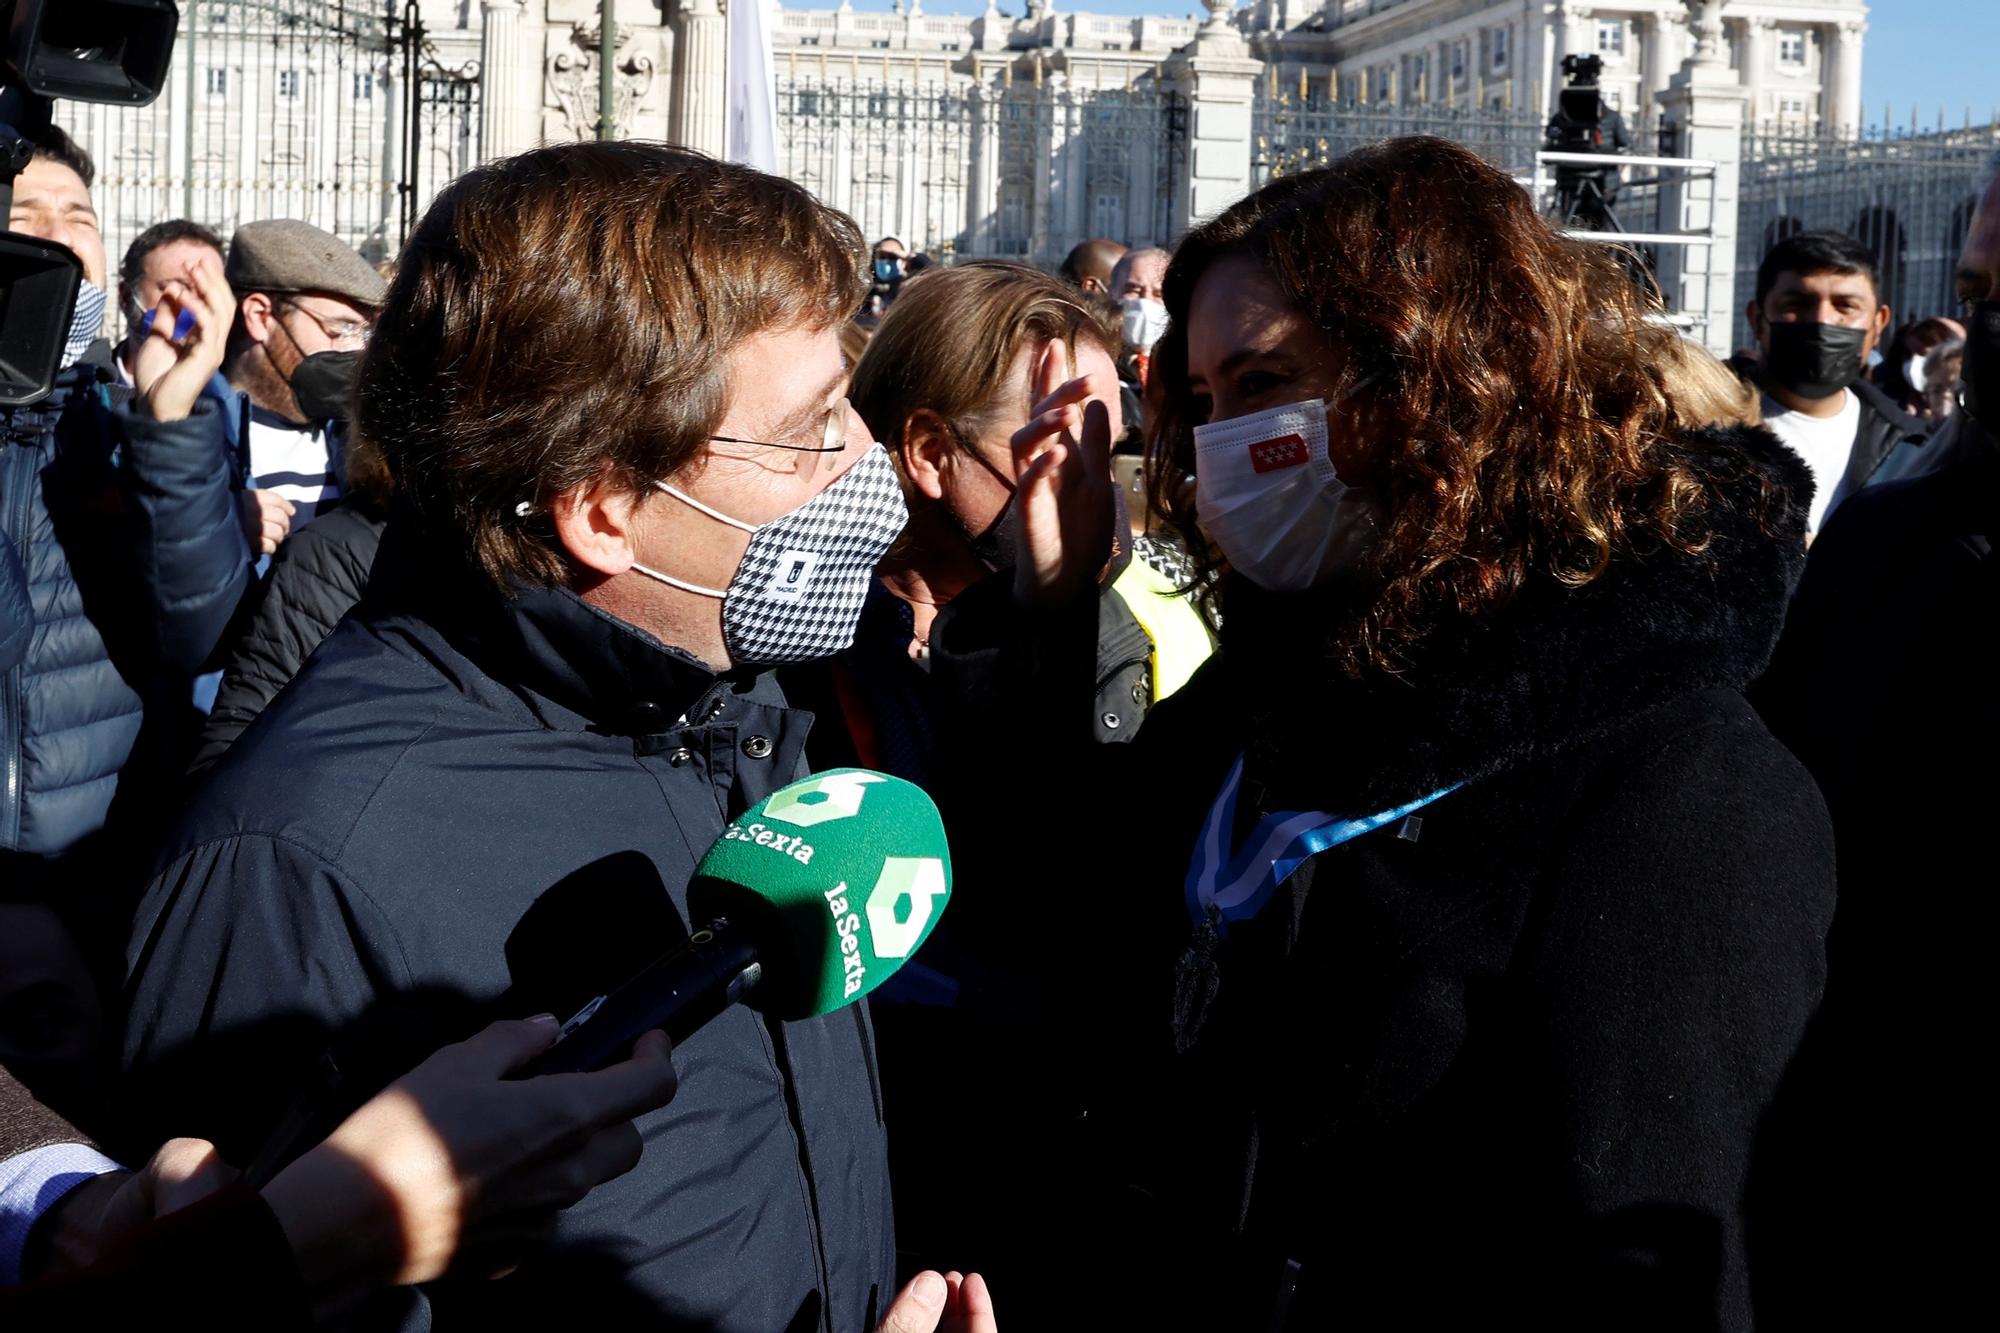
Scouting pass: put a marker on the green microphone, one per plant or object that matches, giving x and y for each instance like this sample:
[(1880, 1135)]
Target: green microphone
[(808, 901)]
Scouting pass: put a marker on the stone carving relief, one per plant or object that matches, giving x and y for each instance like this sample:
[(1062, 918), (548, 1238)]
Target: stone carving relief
[(572, 80)]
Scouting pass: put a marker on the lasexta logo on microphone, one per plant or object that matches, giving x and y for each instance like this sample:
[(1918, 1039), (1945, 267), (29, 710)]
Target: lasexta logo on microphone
[(849, 868)]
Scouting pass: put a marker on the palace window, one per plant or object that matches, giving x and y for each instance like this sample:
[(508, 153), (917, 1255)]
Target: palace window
[(1611, 37)]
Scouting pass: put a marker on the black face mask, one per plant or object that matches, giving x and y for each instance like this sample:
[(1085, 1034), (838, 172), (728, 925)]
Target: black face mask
[(1981, 371), (998, 547), (1813, 360), (324, 385)]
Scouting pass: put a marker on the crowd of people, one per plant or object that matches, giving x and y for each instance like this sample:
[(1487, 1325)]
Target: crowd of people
[(1428, 753)]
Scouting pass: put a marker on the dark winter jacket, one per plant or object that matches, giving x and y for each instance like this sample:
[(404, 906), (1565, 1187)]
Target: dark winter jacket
[(1885, 685), (1500, 1064), (317, 575), (875, 707), (874, 703), (463, 807), (17, 609), (1884, 427), (126, 531)]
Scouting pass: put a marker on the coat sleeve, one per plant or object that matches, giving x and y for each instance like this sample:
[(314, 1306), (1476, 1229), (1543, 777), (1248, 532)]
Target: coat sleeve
[(1682, 953), (193, 560), (224, 1261), (1016, 696), (314, 579), (249, 956), (17, 611)]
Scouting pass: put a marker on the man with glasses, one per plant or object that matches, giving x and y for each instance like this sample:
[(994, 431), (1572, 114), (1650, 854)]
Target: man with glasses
[(609, 384), (301, 292)]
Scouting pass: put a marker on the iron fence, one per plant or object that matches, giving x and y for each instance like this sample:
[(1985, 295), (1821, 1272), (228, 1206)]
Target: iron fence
[(1907, 195), (1013, 169), (335, 112), (1300, 125)]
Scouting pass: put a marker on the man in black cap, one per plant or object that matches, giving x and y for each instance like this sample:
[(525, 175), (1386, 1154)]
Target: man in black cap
[(301, 292)]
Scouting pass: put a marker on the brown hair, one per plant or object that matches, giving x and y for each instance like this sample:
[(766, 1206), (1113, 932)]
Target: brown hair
[(948, 341), (1524, 423), (566, 314)]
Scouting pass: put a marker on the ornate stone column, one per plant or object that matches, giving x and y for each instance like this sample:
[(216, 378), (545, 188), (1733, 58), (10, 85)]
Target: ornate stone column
[(1754, 63), (1219, 79), (1705, 102), (1841, 102), (701, 76), (501, 103)]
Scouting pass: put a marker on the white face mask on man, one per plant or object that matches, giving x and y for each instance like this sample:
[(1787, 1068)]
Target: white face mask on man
[(1266, 492), (1145, 322)]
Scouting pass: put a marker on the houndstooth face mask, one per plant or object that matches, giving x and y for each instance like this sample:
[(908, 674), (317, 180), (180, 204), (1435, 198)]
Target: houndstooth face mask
[(798, 590)]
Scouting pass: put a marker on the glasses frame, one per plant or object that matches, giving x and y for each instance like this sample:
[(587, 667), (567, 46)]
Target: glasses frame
[(832, 440), (367, 330)]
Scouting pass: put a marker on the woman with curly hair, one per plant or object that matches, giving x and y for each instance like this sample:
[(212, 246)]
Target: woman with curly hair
[(1432, 956)]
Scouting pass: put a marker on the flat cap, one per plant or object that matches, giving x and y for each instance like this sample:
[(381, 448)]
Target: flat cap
[(288, 256)]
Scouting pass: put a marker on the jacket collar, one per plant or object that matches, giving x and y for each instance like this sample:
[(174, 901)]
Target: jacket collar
[(547, 641), (1555, 668), (1874, 400)]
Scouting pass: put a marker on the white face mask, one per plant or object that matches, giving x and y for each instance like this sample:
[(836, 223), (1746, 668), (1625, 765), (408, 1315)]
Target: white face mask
[(1913, 370), (1145, 323), (1266, 492), (798, 589)]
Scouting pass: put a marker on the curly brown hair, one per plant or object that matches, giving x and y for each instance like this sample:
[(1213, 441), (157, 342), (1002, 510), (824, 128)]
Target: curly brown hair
[(1529, 429)]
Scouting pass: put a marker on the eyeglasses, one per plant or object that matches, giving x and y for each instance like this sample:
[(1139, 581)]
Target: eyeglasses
[(833, 436), (336, 330)]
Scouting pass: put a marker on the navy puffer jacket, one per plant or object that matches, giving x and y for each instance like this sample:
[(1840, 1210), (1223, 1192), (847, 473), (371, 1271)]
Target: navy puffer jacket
[(125, 535)]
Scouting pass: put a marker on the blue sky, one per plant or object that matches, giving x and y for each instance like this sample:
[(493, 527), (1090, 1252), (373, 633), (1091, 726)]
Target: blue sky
[(1922, 53)]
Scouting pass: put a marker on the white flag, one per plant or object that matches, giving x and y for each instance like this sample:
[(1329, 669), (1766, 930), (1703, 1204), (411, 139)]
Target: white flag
[(753, 89)]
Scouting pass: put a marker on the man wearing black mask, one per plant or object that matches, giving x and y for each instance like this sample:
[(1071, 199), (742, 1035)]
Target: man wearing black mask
[(1883, 685), (1817, 315), (303, 293)]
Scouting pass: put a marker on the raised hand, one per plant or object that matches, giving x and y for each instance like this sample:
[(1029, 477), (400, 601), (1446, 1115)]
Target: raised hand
[(182, 342), (1062, 472)]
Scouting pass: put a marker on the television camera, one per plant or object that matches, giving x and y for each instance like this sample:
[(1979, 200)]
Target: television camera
[(1585, 123), (112, 51)]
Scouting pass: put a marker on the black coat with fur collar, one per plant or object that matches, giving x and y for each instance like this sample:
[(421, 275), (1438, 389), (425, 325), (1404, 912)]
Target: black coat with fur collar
[(1502, 1069)]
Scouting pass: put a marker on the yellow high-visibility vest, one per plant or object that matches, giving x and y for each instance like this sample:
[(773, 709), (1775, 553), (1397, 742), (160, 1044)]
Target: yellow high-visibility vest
[(1181, 641)]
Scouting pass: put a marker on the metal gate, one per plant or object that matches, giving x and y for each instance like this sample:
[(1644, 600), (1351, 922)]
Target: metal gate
[(335, 112), (1014, 168), (1907, 195)]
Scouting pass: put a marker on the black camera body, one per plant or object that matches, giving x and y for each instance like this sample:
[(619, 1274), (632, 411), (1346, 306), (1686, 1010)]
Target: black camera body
[(113, 51), (1584, 123), (1579, 122)]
